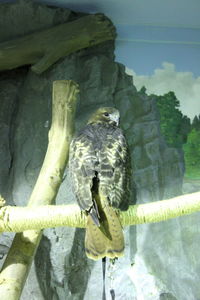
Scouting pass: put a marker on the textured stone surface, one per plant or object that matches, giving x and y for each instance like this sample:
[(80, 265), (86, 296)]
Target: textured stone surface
[(10, 85), (15, 17), (166, 263)]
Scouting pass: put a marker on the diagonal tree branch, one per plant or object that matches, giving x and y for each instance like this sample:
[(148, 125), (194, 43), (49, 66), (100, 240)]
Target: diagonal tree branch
[(44, 48), (17, 264)]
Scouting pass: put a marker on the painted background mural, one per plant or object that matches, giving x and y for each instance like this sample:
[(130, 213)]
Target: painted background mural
[(159, 43)]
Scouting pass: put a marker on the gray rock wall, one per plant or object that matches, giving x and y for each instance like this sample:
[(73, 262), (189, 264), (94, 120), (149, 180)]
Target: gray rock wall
[(10, 84), (154, 253)]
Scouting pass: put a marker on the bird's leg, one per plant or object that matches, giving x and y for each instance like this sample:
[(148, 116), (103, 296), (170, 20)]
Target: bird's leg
[(104, 276), (111, 276)]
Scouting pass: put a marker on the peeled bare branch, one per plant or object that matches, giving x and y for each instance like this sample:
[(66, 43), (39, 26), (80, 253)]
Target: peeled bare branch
[(24, 246), (18, 219)]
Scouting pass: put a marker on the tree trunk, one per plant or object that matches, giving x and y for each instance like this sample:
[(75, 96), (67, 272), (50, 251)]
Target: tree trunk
[(44, 48), (18, 261)]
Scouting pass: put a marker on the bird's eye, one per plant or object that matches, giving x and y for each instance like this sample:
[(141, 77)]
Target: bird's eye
[(106, 114)]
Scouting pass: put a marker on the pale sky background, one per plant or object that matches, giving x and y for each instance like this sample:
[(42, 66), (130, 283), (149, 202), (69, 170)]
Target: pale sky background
[(165, 79)]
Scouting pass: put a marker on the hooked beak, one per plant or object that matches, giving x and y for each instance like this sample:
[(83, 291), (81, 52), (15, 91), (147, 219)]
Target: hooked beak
[(115, 117)]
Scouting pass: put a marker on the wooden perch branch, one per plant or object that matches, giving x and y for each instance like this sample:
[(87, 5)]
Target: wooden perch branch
[(17, 264), (46, 47), (18, 219), (161, 210)]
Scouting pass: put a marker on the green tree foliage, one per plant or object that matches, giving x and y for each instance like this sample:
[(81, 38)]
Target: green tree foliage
[(174, 125), (196, 123), (192, 154)]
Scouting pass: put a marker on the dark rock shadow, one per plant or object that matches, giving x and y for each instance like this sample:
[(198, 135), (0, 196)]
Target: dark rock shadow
[(78, 267), (43, 268)]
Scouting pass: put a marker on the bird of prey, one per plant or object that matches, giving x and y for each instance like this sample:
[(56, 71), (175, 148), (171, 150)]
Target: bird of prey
[(100, 173)]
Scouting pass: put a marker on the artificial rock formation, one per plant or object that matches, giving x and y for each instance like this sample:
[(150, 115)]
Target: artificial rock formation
[(61, 269)]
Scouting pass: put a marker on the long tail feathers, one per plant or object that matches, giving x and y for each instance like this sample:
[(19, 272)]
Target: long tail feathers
[(106, 240)]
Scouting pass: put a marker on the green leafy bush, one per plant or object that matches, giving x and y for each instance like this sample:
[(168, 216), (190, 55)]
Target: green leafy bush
[(192, 154), (174, 125)]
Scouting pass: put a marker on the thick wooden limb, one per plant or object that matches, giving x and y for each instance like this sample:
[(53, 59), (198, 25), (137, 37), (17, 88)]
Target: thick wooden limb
[(161, 210), (46, 47), (18, 219), (17, 264)]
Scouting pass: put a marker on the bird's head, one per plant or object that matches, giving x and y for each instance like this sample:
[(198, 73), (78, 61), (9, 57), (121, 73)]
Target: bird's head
[(109, 115)]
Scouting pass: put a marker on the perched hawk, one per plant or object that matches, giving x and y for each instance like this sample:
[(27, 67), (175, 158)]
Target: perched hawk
[(100, 177)]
